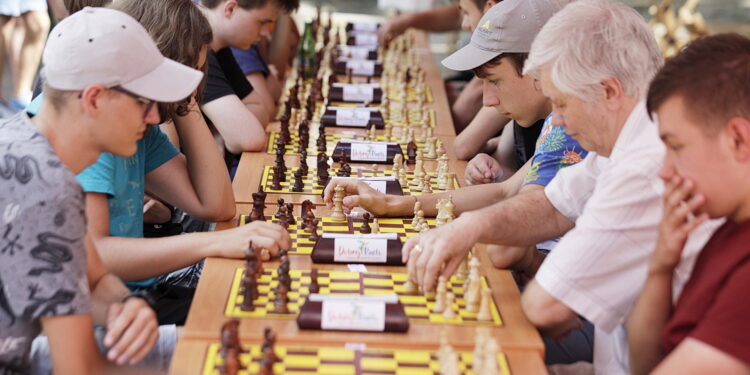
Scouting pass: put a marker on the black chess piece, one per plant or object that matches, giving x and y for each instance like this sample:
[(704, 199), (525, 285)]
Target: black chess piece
[(411, 152), (365, 227), (290, 213), (280, 203), (259, 203), (303, 163), (313, 229), (314, 286), (276, 178)]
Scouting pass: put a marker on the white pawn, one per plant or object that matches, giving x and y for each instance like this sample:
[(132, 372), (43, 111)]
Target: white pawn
[(409, 285), (439, 306), (485, 309), (480, 339), (449, 313), (417, 210), (489, 365), (402, 176), (397, 162), (426, 184), (375, 226)]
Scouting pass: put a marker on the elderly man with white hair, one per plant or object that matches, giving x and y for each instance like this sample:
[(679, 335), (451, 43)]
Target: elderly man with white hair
[(594, 60)]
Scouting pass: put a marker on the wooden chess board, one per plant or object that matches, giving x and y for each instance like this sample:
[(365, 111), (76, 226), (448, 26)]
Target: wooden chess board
[(417, 306), (323, 360), (302, 244), (331, 141), (396, 117), (311, 187)]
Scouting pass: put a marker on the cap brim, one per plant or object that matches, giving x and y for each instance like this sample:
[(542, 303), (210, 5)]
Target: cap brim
[(468, 58), (169, 82)]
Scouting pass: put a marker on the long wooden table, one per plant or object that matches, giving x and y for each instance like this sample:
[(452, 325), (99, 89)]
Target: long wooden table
[(518, 339)]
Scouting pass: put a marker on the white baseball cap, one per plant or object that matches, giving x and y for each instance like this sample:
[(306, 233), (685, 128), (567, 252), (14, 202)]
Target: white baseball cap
[(108, 47), (508, 27)]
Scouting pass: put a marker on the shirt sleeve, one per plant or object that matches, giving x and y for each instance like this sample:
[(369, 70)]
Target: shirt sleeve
[(100, 176), (217, 85), (159, 149), (250, 61), (573, 186), (725, 325), (556, 150), (599, 266), (51, 277)]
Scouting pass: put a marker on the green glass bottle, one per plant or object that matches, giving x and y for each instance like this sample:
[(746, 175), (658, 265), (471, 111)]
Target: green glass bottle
[(307, 52)]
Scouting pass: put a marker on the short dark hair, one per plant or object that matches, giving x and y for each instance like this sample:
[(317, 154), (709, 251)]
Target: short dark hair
[(286, 5), (75, 5), (517, 59), (712, 76)]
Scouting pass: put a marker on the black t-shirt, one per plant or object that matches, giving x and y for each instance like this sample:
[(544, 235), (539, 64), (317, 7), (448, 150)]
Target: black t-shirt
[(225, 77), (524, 141)]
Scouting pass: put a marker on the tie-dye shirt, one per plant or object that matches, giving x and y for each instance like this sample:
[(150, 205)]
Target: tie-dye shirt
[(555, 150)]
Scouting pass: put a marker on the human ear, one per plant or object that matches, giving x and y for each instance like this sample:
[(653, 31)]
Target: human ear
[(229, 8), (738, 131), (488, 4), (91, 99), (613, 93)]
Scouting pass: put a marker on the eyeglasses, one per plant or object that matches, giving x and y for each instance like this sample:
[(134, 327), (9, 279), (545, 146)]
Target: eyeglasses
[(147, 103)]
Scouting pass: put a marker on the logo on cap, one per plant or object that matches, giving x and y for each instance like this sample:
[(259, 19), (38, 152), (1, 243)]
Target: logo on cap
[(486, 25)]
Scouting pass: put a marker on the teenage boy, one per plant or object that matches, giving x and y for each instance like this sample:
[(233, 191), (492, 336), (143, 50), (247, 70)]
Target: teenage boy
[(97, 101), (704, 122), (239, 24)]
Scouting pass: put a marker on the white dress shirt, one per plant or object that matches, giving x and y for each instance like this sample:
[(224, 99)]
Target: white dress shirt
[(599, 267)]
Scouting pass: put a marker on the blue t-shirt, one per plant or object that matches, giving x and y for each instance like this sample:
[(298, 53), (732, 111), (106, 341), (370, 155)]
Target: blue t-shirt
[(250, 61), (555, 150), (123, 180)]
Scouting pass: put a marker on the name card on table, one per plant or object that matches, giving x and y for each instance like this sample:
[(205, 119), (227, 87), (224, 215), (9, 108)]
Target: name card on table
[(356, 52), (369, 151), (361, 67), (354, 313), (360, 249), (370, 27), (358, 92), (365, 39), (353, 116)]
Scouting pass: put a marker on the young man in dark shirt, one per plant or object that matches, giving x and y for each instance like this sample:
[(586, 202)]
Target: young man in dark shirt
[(702, 101), (225, 102)]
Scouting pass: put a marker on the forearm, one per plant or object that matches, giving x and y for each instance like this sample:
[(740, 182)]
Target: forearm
[(485, 125), (525, 220), (438, 19), (647, 321), (206, 169), (134, 259), (108, 290)]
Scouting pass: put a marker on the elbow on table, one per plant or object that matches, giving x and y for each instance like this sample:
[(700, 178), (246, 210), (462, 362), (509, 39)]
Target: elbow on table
[(248, 142), (217, 214), (463, 152), (541, 313)]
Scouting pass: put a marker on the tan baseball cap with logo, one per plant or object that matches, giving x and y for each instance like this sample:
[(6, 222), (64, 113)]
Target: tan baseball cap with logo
[(108, 47), (508, 27)]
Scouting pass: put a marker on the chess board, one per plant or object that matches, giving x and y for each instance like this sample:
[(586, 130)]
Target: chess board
[(396, 117), (417, 306), (317, 360), (302, 244), (311, 186), (411, 93), (331, 141)]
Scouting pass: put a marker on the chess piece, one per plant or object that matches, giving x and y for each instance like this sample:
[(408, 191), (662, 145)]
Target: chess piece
[(449, 313), (259, 203), (249, 288), (426, 184), (473, 294), (430, 151), (372, 134), (463, 270), (423, 226), (375, 168), (314, 286), (480, 341), (442, 289), (398, 161), (485, 310), (232, 362), (410, 286), (349, 74), (276, 178), (303, 163), (312, 228), (290, 213), (412, 153), (365, 227), (418, 165), (402, 176), (338, 208), (230, 338), (388, 130), (279, 213), (375, 226), (299, 183), (417, 208), (489, 363)]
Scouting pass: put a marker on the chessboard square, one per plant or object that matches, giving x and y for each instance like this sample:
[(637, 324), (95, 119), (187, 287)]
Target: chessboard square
[(400, 277), (302, 361), (417, 310), (337, 369), (379, 291), (368, 281), (413, 300), (343, 275), (378, 364), (414, 371), (346, 286), (335, 354), (412, 356)]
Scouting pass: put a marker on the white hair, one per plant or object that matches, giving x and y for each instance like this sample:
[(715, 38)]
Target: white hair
[(590, 41)]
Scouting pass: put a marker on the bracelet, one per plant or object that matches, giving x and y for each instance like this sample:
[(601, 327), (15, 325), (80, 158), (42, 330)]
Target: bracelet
[(145, 296)]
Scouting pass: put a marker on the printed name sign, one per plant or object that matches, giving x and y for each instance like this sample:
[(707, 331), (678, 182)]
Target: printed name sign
[(360, 250), (353, 116), (361, 67), (358, 315), (356, 52), (369, 152), (359, 93), (370, 27), (366, 39)]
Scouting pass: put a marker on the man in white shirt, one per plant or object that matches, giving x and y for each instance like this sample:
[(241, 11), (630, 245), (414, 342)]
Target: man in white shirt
[(594, 60)]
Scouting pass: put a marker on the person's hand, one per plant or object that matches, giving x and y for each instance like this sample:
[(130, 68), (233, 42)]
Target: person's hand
[(262, 234), (132, 330), (393, 28), (357, 194), (482, 169), (681, 206), (439, 251)]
